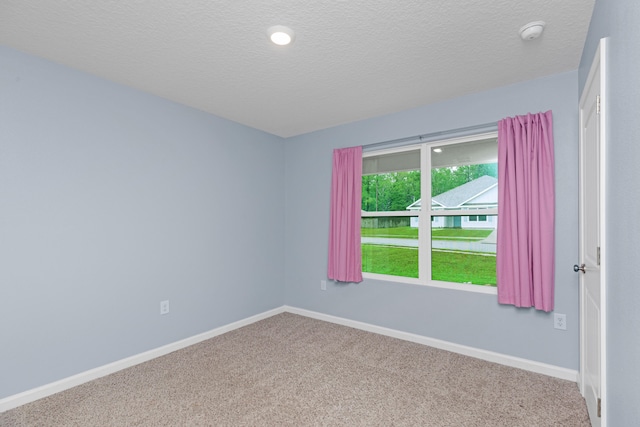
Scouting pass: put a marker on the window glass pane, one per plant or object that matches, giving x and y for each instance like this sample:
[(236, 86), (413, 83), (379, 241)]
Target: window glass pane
[(463, 183), (392, 162), (464, 251), (464, 176), (391, 182), (390, 245)]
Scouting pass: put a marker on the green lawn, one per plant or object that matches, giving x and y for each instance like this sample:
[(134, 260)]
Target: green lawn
[(446, 266), (463, 268), (392, 260), (396, 232), (436, 233), (442, 233)]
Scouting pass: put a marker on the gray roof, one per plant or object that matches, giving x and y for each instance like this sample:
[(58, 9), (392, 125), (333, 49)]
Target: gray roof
[(461, 194)]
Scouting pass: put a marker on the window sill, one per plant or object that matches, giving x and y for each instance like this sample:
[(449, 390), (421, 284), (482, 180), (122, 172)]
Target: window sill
[(492, 290)]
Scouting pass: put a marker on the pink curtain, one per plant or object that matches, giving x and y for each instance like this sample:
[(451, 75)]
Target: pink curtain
[(526, 206), (345, 256)]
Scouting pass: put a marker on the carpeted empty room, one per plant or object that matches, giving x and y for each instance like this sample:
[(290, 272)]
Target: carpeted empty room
[(294, 370), (319, 213)]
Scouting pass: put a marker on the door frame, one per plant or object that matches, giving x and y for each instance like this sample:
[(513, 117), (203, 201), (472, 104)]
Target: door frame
[(599, 62)]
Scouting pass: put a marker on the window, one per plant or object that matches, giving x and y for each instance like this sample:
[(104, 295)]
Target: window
[(450, 241)]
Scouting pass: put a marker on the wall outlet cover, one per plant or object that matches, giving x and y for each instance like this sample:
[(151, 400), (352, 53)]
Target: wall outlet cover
[(560, 321), (164, 307)]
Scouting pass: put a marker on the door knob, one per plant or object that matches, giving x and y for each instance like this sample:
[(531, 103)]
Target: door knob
[(581, 268)]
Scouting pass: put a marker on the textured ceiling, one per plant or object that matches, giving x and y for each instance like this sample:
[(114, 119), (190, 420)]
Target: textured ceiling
[(351, 59)]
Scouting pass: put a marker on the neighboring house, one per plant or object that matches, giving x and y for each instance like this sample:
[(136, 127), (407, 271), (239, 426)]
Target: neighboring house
[(481, 193)]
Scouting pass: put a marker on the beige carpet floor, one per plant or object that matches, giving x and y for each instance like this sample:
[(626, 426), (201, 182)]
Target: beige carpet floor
[(289, 370)]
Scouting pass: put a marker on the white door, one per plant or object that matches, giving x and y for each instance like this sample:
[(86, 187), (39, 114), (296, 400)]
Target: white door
[(591, 238)]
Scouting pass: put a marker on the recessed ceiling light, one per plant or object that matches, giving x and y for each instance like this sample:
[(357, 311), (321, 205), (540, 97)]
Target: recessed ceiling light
[(437, 150), (280, 35)]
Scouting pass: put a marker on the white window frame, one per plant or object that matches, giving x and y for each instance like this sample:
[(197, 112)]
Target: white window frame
[(425, 214)]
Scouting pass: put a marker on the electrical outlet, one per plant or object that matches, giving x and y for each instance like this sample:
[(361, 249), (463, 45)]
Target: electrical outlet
[(560, 321), (323, 285), (164, 307)]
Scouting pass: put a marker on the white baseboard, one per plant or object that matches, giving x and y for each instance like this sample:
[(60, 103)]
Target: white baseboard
[(101, 371), (490, 356), (28, 396)]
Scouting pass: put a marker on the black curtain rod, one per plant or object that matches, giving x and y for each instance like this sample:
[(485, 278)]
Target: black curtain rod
[(454, 133)]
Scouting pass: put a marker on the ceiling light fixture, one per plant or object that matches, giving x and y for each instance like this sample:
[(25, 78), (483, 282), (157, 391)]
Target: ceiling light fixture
[(532, 30), (437, 150), (280, 35)]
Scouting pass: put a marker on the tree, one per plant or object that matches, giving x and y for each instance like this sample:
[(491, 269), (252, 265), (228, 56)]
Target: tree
[(394, 191)]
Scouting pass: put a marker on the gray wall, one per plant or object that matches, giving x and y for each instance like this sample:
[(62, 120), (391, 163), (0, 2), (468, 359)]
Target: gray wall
[(112, 200), (620, 21), (465, 318)]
